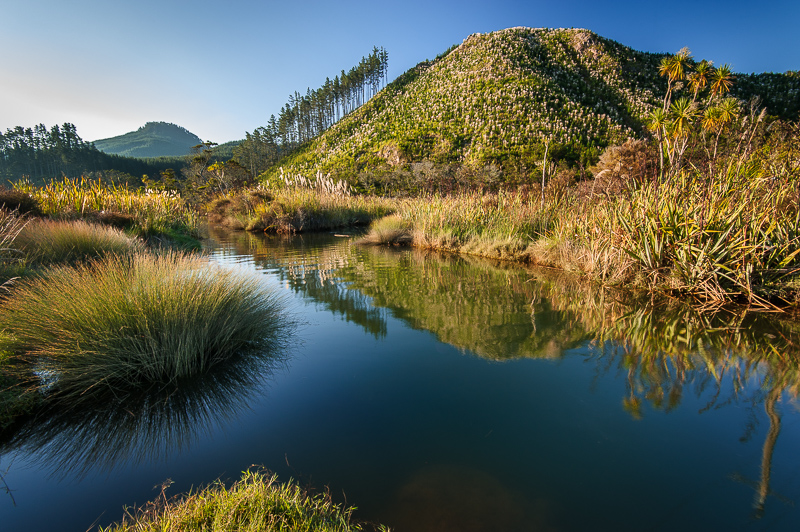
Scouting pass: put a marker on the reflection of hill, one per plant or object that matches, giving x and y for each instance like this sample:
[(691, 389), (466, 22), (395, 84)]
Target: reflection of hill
[(664, 348), (473, 305)]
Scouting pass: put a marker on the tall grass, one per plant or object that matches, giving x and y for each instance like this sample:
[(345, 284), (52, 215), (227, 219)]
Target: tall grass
[(48, 242), (730, 237), (10, 255), (126, 322), (297, 209), (152, 211), (257, 502)]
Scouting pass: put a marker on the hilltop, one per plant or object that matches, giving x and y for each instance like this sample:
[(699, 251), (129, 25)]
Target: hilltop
[(154, 139), (499, 97)]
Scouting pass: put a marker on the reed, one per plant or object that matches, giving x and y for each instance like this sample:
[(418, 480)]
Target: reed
[(124, 322), (256, 502), (152, 212), (731, 237)]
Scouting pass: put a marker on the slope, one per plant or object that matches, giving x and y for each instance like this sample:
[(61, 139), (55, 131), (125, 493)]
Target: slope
[(154, 139), (498, 98)]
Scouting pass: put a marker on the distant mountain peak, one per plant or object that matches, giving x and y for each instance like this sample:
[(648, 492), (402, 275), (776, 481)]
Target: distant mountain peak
[(154, 139)]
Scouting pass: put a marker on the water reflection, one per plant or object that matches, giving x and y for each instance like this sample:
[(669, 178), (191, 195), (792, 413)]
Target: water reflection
[(143, 425), (664, 348)]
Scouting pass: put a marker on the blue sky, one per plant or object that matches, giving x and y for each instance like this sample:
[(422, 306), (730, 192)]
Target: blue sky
[(220, 69)]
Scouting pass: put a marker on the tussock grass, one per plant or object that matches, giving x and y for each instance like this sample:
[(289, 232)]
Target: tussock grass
[(48, 242), (125, 322), (391, 230), (256, 502), (10, 256)]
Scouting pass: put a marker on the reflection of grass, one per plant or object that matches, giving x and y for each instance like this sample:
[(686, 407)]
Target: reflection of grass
[(126, 322), (256, 502), (46, 242)]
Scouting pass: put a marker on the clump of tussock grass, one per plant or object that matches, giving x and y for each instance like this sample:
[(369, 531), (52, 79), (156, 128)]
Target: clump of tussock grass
[(125, 322), (48, 242), (11, 257), (389, 230), (256, 502)]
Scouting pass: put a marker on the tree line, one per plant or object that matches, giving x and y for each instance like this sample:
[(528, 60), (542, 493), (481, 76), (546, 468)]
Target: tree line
[(40, 153), (304, 117)]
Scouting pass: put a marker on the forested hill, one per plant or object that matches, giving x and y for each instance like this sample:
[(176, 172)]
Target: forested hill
[(499, 97), (154, 139)]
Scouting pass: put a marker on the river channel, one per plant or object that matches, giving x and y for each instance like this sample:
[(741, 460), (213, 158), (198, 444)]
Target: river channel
[(447, 393)]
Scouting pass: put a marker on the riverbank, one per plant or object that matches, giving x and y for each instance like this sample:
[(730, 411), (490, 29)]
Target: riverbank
[(255, 502), (735, 239)]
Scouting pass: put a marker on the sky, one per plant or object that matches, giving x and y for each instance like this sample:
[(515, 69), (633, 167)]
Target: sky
[(220, 69)]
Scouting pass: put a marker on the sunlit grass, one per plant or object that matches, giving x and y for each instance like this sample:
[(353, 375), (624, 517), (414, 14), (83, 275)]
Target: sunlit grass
[(297, 209), (733, 237), (48, 242), (125, 322), (256, 502), (152, 212)]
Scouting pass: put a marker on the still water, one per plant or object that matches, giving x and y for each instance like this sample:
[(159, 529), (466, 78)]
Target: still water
[(441, 393)]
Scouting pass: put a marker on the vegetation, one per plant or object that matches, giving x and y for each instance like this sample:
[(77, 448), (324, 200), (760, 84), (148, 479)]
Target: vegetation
[(39, 154), (154, 139), (49, 242), (306, 117), (121, 323), (500, 98), (255, 502), (145, 213), (296, 205)]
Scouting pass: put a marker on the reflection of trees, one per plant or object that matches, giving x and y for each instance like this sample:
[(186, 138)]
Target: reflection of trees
[(311, 265), (140, 425), (662, 346), (472, 304), (665, 346)]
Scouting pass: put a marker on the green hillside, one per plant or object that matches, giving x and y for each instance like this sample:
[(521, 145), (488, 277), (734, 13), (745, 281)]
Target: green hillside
[(154, 139), (499, 97)]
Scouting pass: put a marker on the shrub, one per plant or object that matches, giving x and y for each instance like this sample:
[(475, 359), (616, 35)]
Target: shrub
[(19, 202)]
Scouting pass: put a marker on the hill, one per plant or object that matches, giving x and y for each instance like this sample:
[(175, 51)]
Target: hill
[(499, 97), (154, 139)]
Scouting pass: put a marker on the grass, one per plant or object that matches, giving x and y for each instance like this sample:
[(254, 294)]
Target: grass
[(49, 242), (296, 209), (120, 323), (735, 237), (257, 502), (145, 213)]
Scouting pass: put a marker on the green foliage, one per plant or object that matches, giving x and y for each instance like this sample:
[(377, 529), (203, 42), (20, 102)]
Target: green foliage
[(295, 209), (256, 502), (498, 98), (151, 212), (122, 323), (39, 154)]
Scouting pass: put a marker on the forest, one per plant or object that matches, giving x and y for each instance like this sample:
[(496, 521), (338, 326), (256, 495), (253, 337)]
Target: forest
[(41, 153)]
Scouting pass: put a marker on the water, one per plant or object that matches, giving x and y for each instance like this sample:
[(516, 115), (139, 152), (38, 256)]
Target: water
[(446, 393)]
